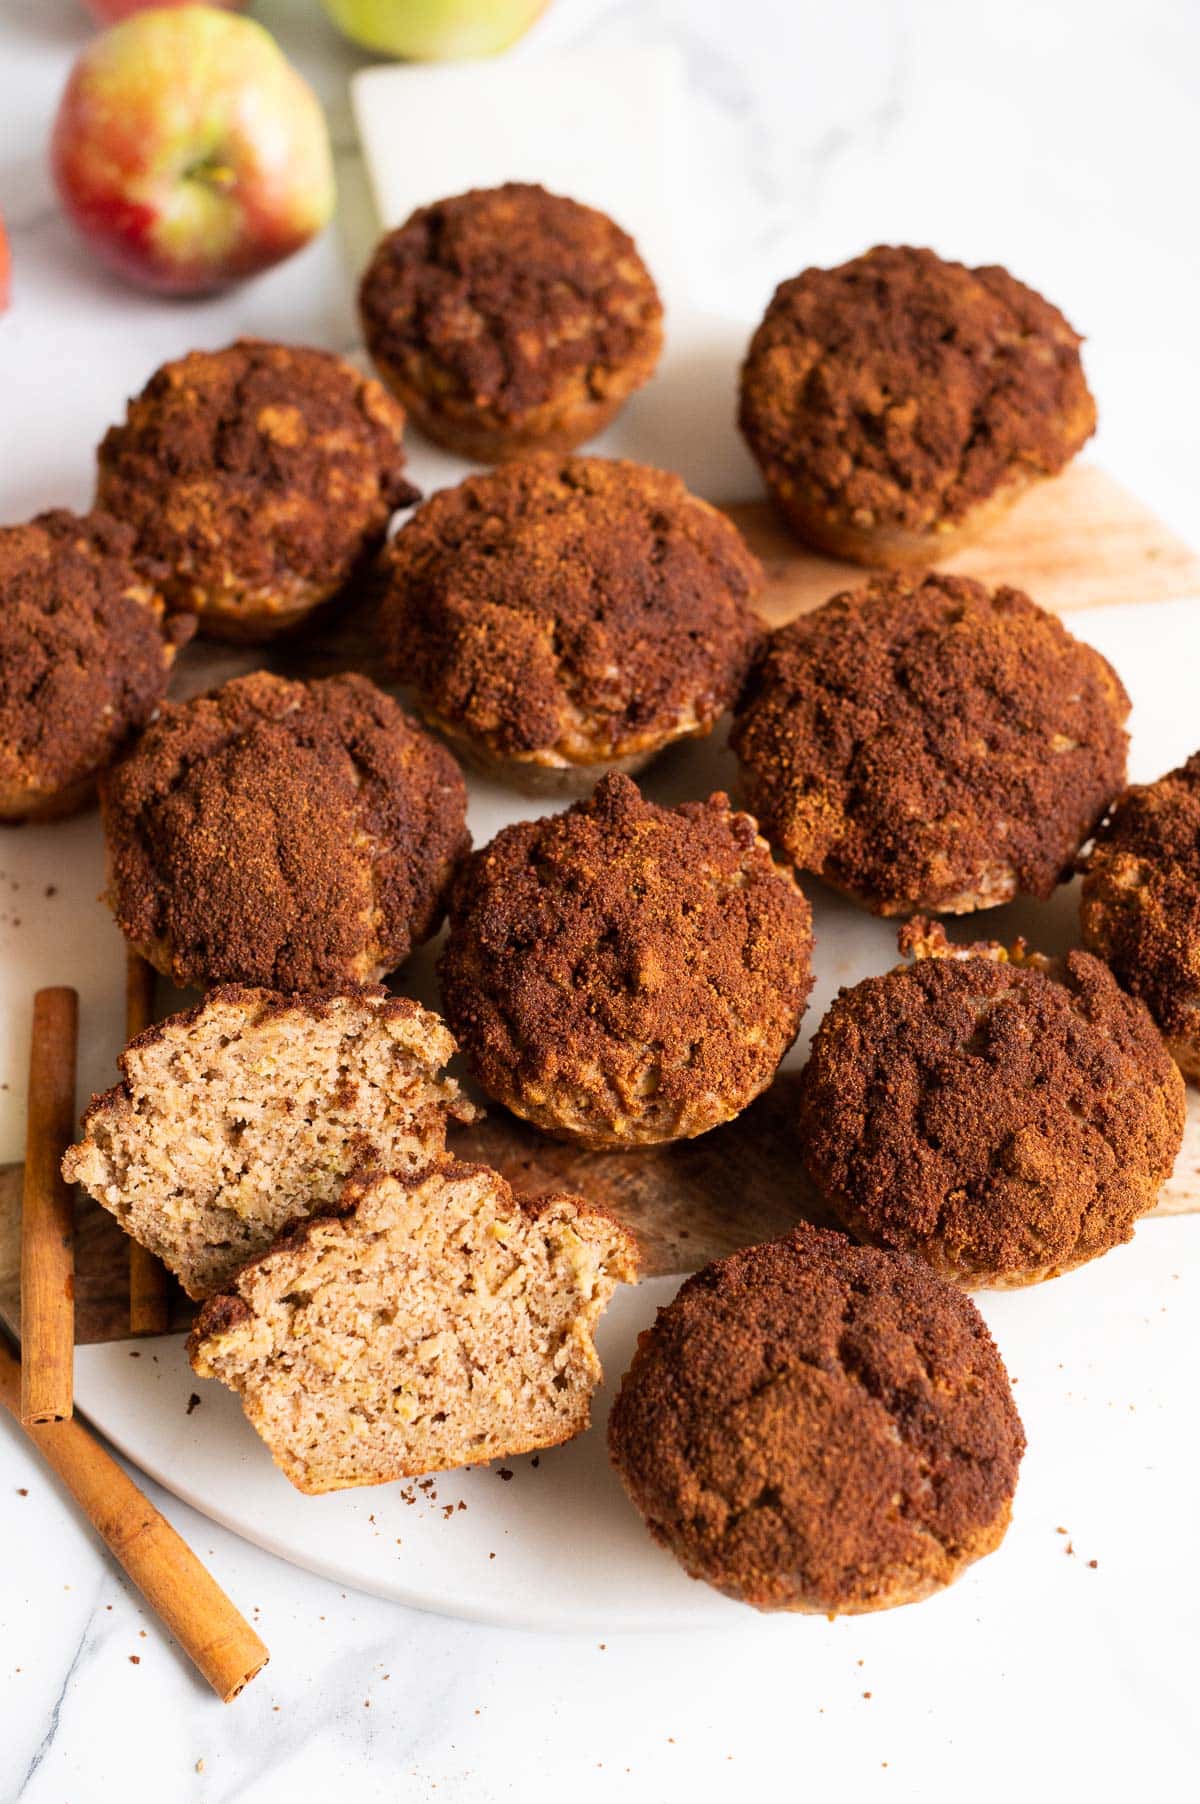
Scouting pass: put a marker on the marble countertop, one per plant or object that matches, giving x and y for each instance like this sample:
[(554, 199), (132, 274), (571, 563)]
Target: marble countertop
[(1049, 137)]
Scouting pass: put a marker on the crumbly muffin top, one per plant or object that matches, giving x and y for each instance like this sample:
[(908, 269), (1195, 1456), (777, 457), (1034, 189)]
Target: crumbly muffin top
[(1141, 896), (84, 647), (628, 950), (509, 292), (294, 835), (572, 604), (909, 736), (902, 390), (272, 460), (815, 1424), (998, 1119)]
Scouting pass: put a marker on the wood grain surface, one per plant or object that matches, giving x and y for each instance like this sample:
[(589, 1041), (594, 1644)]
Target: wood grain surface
[(1080, 541)]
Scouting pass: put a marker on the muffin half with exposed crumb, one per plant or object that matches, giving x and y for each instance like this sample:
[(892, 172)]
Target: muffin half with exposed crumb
[(419, 1322), (86, 648), (293, 835), (624, 974), (816, 1426), (1140, 907), (251, 1110), (1003, 1118), (927, 743), (560, 617), (899, 404), (510, 320), (260, 480)]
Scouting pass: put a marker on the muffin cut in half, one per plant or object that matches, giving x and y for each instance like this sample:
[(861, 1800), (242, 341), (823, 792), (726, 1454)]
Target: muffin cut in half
[(926, 743), (86, 647), (1140, 906), (260, 480), (419, 1322), (560, 617), (625, 974), (816, 1426), (1002, 1117), (251, 1110), (510, 320), (899, 404), (293, 835)]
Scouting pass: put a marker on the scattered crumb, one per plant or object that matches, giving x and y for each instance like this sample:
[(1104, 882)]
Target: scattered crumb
[(491, 1556), (23, 1491), (1061, 1531), (1093, 1564), (135, 1355), (200, 1765), (505, 1473), (193, 1402), (142, 1633), (866, 1694), (536, 1460), (135, 1659), (51, 890)]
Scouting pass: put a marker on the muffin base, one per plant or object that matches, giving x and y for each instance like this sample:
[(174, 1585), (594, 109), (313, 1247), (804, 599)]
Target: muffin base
[(890, 547), (549, 774), (20, 802), (556, 426)]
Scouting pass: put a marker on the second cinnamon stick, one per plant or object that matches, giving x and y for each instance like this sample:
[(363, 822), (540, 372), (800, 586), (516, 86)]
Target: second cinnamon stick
[(149, 1311), (47, 1213)]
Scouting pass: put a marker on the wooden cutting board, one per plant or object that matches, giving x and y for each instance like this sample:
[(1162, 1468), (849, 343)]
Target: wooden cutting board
[(1081, 541)]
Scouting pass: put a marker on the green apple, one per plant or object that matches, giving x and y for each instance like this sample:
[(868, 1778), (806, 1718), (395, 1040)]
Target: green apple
[(435, 30)]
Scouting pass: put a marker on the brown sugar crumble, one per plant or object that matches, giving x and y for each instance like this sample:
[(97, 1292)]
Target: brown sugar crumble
[(896, 402), (260, 480), (924, 742), (570, 612), (1140, 907), (86, 646), (816, 1426), (626, 972), (510, 319), (294, 835), (1003, 1122)]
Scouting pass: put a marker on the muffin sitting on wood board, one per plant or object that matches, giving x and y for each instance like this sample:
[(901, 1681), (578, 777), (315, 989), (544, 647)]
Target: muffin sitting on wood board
[(251, 1110), (926, 743), (260, 480), (899, 404), (419, 1322), (1140, 906), (86, 647), (561, 617), (291, 835), (624, 974), (1001, 1117)]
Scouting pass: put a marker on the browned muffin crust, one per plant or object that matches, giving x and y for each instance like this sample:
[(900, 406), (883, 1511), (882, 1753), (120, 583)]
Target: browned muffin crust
[(624, 973), (291, 835), (1141, 903), (511, 319), (1003, 1122), (924, 742), (260, 480), (85, 651), (570, 611), (817, 1426), (894, 402)]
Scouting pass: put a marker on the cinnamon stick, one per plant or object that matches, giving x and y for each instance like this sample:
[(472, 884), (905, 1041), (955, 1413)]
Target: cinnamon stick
[(149, 1311), (47, 1213), (210, 1630)]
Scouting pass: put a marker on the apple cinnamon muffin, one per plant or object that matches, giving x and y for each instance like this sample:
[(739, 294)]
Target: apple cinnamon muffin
[(1140, 907), (624, 974), (900, 403), (927, 743), (420, 1321), (285, 834), (260, 480), (240, 1116), (1003, 1118), (510, 320), (86, 648), (563, 616), (817, 1426)]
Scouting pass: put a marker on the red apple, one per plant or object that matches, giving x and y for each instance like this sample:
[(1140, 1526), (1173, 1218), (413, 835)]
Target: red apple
[(189, 151), (5, 269), (109, 11)]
